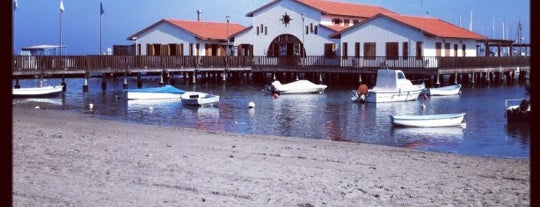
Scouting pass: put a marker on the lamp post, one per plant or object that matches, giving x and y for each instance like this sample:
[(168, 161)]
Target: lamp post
[(227, 51)]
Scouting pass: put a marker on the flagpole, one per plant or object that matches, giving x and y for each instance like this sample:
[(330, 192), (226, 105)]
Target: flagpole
[(61, 11), (100, 14)]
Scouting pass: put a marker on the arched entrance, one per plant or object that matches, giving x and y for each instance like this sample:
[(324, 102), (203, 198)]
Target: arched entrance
[(287, 48)]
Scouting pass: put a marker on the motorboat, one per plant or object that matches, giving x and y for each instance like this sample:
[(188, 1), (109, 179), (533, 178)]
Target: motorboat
[(297, 87), (390, 86), (432, 120), (195, 98), (445, 90), (44, 91), (162, 92), (515, 112)]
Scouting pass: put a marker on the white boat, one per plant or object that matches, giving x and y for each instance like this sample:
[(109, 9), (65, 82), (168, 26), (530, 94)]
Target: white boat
[(390, 86), (433, 120), (162, 92), (296, 87), (516, 113), (45, 91), (195, 98), (445, 90)]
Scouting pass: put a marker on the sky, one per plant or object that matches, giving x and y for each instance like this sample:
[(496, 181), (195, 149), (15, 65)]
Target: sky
[(38, 22)]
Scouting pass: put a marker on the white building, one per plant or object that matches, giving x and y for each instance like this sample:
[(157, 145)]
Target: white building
[(289, 28)]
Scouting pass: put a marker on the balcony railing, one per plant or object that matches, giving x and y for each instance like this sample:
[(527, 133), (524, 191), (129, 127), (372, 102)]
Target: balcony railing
[(113, 62)]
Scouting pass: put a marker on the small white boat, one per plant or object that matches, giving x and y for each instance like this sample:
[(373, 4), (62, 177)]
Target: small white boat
[(445, 90), (162, 92), (433, 120), (297, 87), (391, 86), (516, 113), (195, 98), (45, 91)]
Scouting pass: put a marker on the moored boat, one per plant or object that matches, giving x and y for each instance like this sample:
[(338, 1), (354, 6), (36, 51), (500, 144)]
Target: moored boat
[(432, 120), (517, 113), (297, 87), (162, 92), (45, 91), (390, 86), (195, 98), (445, 90)]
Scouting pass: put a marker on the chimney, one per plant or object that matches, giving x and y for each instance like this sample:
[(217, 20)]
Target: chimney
[(199, 15)]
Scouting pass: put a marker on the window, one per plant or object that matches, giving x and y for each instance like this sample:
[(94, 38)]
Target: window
[(356, 49), (345, 50), (329, 50), (438, 47), (392, 52), (463, 49), (405, 52), (370, 50), (447, 49), (455, 50), (336, 21), (419, 47), (346, 22), (282, 49)]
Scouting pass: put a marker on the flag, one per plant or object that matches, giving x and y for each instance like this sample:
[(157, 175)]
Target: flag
[(15, 4), (61, 6), (101, 9)]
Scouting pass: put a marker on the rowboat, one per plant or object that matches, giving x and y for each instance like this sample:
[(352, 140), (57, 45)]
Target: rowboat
[(445, 90), (195, 98), (45, 91), (162, 92), (297, 87), (432, 120)]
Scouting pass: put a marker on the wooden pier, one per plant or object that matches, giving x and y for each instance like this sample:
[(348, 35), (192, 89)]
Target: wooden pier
[(317, 68)]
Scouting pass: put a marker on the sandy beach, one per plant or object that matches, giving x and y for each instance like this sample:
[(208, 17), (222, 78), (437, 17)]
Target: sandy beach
[(68, 158)]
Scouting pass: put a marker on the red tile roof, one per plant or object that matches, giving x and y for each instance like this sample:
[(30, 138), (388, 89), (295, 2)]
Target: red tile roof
[(436, 27), (431, 26), (344, 9), (337, 8), (207, 30), (200, 29)]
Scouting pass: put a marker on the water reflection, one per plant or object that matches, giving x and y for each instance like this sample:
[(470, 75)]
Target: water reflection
[(519, 131), (421, 137)]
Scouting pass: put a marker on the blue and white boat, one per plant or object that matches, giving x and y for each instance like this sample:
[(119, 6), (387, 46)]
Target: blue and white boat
[(432, 120), (162, 92)]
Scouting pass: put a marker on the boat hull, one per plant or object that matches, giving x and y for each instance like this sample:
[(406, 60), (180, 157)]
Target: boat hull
[(445, 91), (46, 91), (150, 95), (518, 113), (392, 96), (298, 87), (163, 92), (436, 120), (199, 99)]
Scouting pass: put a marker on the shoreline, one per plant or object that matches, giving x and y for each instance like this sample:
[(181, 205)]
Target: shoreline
[(61, 157)]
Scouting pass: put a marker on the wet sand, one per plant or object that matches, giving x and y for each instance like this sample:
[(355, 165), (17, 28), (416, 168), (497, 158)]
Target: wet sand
[(66, 158)]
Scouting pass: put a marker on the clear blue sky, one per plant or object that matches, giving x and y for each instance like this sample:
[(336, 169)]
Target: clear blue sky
[(37, 22)]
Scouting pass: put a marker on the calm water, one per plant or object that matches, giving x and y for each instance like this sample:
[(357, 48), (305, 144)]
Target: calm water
[(328, 116)]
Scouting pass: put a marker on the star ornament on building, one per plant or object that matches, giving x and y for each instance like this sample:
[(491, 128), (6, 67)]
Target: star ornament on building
[(286, 19)]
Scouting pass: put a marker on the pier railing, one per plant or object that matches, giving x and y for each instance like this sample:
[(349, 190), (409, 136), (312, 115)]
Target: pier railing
[(121, 63)]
